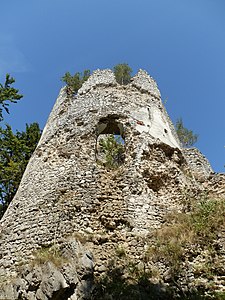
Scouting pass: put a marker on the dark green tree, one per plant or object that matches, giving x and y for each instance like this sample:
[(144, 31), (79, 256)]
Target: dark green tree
[(122, 73), (186, 136), (74, 82), (15, 149), (15, 152), (8, 94)]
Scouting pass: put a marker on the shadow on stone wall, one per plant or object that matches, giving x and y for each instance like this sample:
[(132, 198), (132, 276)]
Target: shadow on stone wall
[(115, 286)]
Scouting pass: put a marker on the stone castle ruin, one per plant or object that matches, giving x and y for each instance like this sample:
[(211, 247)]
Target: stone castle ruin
[(82, 212)]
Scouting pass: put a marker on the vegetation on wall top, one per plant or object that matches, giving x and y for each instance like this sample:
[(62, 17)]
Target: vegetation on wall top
[(122, 73), (74, 82)]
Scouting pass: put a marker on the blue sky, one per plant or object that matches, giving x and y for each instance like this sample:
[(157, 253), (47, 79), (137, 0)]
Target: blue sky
[(180, 43)]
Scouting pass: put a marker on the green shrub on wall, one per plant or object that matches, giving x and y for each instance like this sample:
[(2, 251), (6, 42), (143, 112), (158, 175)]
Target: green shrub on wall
[(74, 82), (122, 73), (197, 229)]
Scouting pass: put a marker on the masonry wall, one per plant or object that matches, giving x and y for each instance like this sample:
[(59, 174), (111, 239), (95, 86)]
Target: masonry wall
[(63, 183), (198, 162), (66, 194)]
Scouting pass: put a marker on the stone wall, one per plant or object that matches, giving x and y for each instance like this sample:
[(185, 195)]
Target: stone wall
[(66, 195), (198, 163)]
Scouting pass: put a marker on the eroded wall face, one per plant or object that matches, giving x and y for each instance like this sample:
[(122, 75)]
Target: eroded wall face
[(67, 194), (60, 188)]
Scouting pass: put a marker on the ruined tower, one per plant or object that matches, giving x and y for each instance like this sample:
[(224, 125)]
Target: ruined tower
[(69, 200)]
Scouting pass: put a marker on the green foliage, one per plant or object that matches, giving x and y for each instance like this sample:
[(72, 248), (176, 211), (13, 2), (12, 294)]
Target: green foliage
[(114, 285), (208, 217), (186, 136), (113, 150), (122, 73), (171, 245), (15, 152), (168, 244), (15, 149), (8, 93), (75, 81), (220, 296), (198, 228)]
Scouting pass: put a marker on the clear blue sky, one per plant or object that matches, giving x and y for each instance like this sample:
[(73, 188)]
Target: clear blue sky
[(181, 43)]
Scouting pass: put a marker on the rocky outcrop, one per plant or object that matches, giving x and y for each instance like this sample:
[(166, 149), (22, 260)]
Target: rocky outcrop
[(61, 272), (67, 199)]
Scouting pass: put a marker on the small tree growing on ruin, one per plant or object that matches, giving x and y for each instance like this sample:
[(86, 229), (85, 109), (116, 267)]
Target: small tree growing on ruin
[(122, 73), (186, 136), (113, 150), (74, 82)]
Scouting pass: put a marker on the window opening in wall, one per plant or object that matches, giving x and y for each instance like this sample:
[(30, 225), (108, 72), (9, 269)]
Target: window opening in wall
[(110, 145)]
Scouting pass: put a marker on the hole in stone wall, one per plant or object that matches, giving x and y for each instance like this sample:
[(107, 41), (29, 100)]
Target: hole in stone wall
[(110, 144), (110, 125), (155, 181)]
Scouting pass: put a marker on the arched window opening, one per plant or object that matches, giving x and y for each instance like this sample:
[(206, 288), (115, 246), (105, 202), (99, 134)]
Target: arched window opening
[(110, 144)]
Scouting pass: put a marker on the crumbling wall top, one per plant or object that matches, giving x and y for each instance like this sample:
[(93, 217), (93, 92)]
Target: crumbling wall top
[(99, 77), (146, 83), (198, 162), (142, 81)]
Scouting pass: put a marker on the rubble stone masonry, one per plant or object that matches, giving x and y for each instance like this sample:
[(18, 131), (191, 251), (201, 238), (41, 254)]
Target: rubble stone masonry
[(66, 196)]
